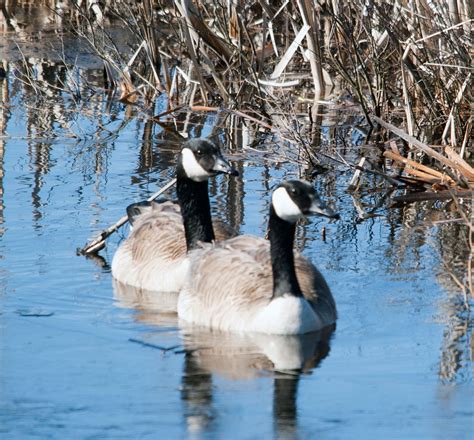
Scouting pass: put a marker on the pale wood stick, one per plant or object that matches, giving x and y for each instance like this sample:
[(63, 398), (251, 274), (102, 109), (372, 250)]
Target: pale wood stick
[(306, 11), (419, 166), (467, 135), (183, 6), (443, 30), (450, 122), (394, 148), (355, 181), (427, 178), (280, 67), (416, 143), (99, 242), (464, 168)]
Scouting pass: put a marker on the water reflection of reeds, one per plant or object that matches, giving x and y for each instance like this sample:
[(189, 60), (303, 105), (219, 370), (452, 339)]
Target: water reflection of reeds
[(4, 118)]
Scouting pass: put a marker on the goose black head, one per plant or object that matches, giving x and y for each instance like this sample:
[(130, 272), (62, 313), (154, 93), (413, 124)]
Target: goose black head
[(294, 199), (201, 159)]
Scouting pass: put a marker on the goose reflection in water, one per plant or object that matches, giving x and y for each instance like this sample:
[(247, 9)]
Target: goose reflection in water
[(231, 356)]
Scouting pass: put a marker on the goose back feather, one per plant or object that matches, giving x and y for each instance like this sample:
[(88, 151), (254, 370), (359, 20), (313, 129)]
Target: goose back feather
[(154, 255)]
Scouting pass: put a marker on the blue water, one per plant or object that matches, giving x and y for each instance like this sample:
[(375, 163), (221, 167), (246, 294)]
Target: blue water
[(73, 356)]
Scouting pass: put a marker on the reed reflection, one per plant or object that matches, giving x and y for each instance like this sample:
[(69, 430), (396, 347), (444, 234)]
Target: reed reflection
[(4, 118), (210, 354)]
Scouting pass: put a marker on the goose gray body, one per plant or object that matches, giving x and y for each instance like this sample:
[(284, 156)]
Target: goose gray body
[(232, 286), (155, 254)]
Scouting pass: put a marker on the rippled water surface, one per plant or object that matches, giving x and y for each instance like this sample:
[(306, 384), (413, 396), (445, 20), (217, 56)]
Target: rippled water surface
[(79, 359)]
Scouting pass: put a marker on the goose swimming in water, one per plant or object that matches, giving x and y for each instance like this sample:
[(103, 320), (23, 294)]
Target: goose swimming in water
[(154, 256), (246, 284)]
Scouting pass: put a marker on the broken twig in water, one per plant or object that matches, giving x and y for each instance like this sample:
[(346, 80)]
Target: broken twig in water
[(429, 195), (149, 345), (423, 172), (99, 242), (416, 143), (355, 181)]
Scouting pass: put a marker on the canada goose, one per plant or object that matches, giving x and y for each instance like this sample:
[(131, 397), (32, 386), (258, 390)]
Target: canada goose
[(245, 284), (154, 256)]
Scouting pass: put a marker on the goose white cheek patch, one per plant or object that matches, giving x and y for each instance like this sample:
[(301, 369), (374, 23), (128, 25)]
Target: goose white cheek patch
[(192, 168), (284, 206)]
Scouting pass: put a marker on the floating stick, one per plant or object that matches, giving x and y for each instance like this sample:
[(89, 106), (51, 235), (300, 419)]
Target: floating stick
[(99, 242)]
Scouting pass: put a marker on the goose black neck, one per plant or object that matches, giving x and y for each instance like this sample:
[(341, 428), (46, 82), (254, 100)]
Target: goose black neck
[(195, 207), (282, 235)]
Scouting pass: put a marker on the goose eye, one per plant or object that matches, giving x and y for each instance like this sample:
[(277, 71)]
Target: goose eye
[(198, 152)]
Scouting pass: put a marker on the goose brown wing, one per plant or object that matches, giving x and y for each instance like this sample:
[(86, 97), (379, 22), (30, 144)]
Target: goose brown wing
[(238, 273), (233, 274), (314, 288), (158, 233)]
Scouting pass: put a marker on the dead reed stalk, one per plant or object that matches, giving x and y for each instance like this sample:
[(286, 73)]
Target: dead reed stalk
[(414, 57)]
